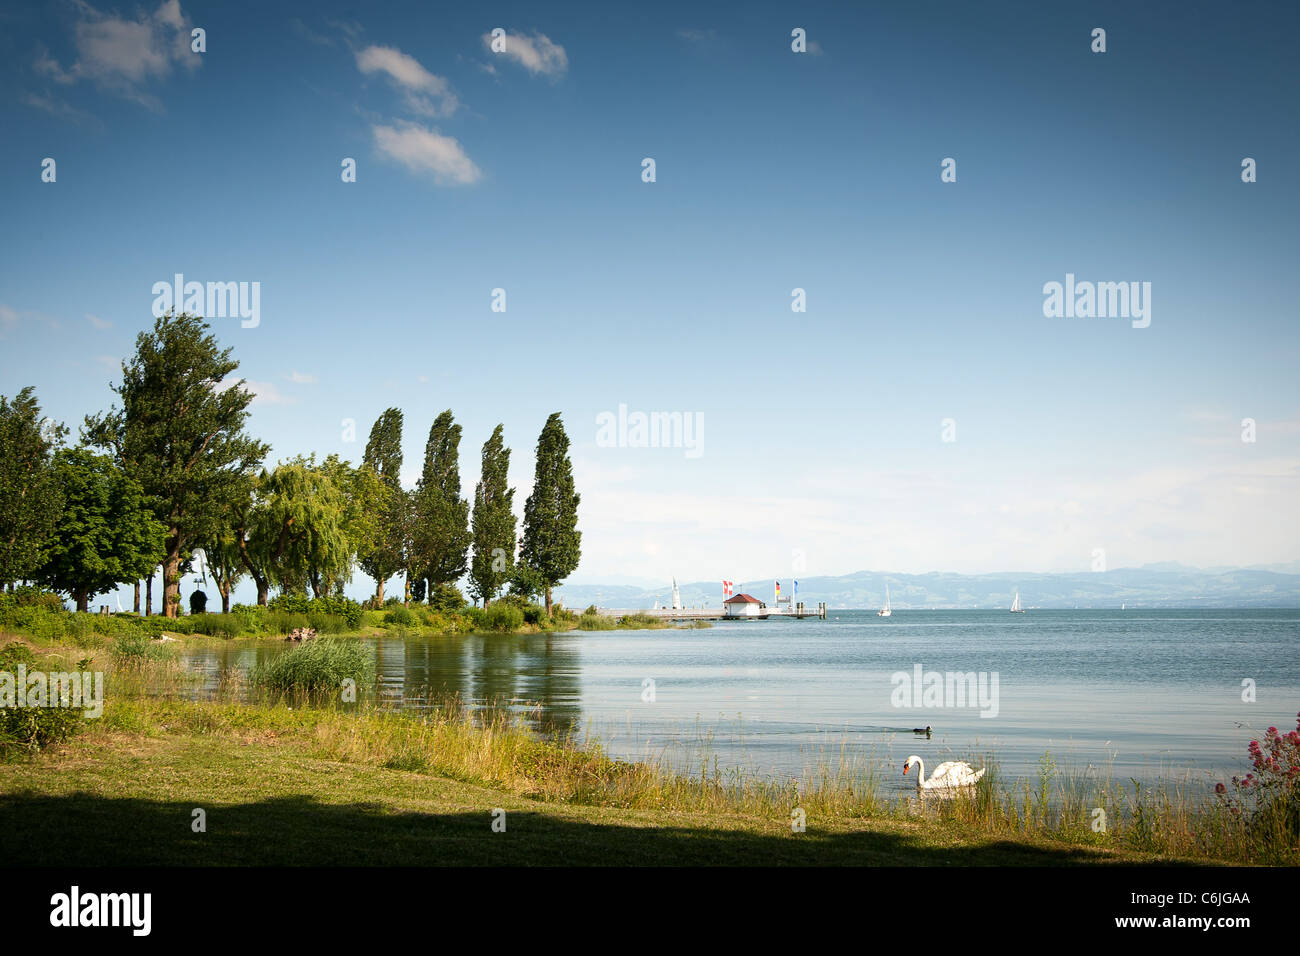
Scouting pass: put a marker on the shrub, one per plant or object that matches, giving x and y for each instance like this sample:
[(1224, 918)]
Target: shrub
[(25, 730), (503, 617), (596, 622), (282, 622), (401, 616), (340, 606), (442, 623), (446, 597), (534, 613), (28, 596), (15, 653), (215, 625), (327, 623), (474, 617), (318, 668), (289, 603), (1267, 798), (639, 621), (251, 619)]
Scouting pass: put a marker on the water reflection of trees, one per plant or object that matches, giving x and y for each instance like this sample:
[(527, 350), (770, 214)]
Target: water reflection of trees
[(533, 675)]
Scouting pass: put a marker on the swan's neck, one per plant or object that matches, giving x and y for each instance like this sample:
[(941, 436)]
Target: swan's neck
[(920, 773)]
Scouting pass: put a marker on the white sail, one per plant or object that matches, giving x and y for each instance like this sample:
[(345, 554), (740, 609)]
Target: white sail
[(1015, 605), (885, 611)]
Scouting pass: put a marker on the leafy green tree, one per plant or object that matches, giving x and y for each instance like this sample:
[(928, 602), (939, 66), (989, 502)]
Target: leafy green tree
[(525, 583), (387, 553), (292, 533), (552, 541), (446, 597), (29, 495), (247, 521), (180, 433), (221, 553), (364, 494), (494, 526), (107, 532), (440, 516)]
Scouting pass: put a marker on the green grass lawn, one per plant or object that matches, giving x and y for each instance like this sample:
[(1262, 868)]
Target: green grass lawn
[(115, 798)]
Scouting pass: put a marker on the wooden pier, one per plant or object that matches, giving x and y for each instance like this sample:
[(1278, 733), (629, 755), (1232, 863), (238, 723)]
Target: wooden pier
[(797, 611)]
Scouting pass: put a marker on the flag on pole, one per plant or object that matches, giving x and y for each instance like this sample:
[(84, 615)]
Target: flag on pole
[(726, 588), (796, 587), (778, 590)]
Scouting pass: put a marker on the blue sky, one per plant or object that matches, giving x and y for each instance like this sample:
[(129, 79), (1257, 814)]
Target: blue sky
[(522, 170)]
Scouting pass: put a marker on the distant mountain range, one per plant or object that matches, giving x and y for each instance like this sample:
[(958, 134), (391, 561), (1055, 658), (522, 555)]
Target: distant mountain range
[(1167, 584)]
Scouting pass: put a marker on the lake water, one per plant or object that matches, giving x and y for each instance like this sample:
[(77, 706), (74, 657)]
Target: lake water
[(1147, 694)]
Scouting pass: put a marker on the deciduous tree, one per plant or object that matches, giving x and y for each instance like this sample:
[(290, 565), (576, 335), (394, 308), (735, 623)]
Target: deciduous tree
[(180, 433), (107, 533), (29, 496)]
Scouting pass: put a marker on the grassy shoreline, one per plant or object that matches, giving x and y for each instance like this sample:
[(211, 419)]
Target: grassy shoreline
[(284, 783)]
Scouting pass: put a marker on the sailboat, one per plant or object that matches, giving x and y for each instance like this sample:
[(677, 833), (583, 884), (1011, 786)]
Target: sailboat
[(1015, 605), (885, 611)]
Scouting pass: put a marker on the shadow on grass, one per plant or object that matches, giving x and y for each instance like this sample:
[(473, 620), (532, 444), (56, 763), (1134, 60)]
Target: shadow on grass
[(87, 830)]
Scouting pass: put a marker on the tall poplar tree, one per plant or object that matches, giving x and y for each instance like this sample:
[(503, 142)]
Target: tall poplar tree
[(494, 522), (383, 456), (440, 536), (180, 433), (552, 541)]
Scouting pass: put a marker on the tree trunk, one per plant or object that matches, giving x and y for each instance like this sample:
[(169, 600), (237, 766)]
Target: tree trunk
[(83, 600), (225, 601), (263, 593), (379, 595), (548, 600), (148, 595), (406, 600), (136, 606), (172, 583)]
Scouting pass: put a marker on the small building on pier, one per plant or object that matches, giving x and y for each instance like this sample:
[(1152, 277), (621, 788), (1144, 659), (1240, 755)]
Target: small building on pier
[(743, 605)]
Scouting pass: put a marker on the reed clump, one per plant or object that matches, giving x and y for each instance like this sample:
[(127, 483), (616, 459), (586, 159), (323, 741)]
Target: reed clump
[(319, 667)]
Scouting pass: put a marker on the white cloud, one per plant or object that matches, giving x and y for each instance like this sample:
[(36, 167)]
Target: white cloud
[(264, 393), (301, 378), (426, 93), (536, 54), (122, 55), (967, 519), (692, 35), (10, 318), (98, 323), (427, 151)]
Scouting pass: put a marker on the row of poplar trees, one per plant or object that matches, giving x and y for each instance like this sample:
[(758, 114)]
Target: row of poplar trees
[(170, 471), (430, 535)]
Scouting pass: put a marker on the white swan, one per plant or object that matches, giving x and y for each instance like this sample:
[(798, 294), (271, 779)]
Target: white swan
[(947, 776)]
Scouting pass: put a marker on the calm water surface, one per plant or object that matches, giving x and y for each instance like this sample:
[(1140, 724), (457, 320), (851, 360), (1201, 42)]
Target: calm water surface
[(1146, 694)]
